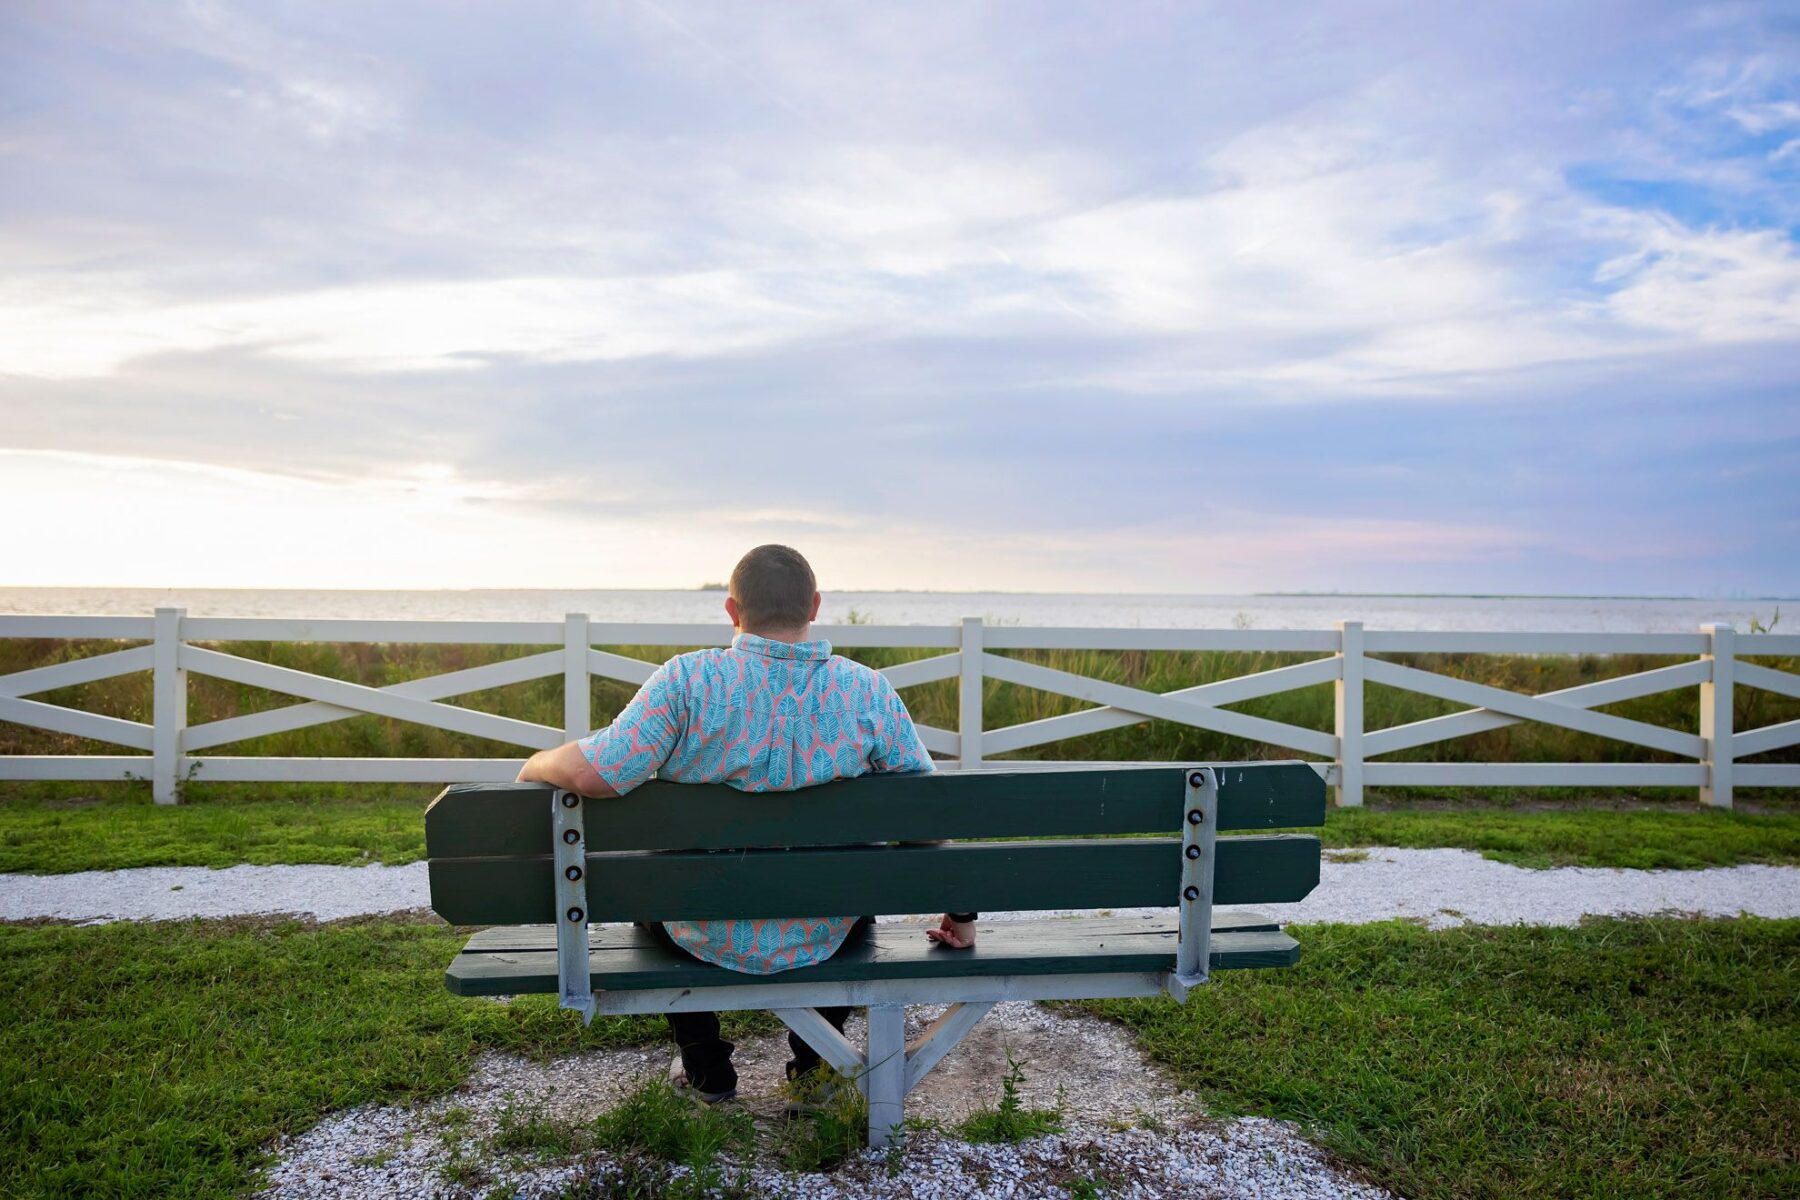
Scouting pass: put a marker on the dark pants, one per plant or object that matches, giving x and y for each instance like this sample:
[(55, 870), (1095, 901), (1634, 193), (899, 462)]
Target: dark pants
[(706, 1057)]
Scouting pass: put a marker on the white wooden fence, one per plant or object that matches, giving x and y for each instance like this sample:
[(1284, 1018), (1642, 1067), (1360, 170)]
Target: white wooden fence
[(169, 751)]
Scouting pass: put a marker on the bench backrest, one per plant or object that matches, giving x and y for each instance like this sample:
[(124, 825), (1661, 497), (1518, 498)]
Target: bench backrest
[(672, 851)]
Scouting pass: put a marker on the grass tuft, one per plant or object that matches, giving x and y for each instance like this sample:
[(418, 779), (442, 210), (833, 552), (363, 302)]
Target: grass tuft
[(534, 1131), (657, 1122), (1011, 1121), (833, 1131)]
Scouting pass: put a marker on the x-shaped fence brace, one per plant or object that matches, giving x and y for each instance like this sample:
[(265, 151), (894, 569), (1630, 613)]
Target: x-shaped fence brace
[(1495, 708)]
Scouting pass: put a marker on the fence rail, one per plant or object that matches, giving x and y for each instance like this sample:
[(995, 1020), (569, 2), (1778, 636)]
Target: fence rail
[(169, 749)]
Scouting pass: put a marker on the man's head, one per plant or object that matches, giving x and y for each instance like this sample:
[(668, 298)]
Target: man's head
[(773, 593)]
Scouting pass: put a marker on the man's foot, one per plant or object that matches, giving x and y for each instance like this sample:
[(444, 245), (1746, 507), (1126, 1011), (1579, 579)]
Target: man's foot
[(679, 1081)]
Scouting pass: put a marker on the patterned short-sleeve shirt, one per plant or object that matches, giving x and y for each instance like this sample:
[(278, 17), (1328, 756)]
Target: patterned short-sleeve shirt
[(761, 716)]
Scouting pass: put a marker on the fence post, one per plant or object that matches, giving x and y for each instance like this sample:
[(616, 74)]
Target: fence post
[(169, 711), (1716, 714), (968, 724), (1348, 720), (576, 692)]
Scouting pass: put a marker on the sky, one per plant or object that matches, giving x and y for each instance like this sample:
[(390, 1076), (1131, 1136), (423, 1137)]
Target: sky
[(1127, 297)]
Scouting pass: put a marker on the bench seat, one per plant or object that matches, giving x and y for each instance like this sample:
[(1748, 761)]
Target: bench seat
[(515, 959)]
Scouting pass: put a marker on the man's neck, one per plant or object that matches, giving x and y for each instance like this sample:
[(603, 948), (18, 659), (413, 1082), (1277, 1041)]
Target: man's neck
[(790, 636)]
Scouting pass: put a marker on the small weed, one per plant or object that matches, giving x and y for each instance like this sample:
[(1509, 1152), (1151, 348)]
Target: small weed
[(454, 1117), (1346, 856), (380, 1159), (822, 1139), (462, 1168), (1094, 1187), (1012, 1121)]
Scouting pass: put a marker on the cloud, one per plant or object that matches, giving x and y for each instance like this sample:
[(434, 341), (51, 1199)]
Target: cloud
[(1110, 294)]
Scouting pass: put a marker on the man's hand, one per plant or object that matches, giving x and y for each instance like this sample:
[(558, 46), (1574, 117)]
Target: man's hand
[(958, 935), (568, 768)]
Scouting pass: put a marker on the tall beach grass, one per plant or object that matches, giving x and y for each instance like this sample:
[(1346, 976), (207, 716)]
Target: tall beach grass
[(936, 703)]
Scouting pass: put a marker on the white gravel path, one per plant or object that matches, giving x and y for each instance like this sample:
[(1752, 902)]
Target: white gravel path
[(1124, 1124), (1441, 887)]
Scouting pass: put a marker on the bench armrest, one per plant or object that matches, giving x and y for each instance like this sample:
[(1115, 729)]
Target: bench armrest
[(1199, 853), (569, 861)]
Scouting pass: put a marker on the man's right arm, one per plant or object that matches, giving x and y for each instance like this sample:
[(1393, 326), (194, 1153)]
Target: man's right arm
[(614, 760)]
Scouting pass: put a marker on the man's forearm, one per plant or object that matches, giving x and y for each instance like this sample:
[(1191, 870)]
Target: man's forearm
[(565, 767)]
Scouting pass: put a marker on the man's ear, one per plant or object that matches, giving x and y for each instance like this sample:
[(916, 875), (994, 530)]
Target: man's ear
[(817, 600), (731, 610)]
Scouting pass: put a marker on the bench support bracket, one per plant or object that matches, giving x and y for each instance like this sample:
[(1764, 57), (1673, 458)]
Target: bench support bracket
[(941, 1037), (892, 1067), (1199, 848), (832, 1046), (569, 846)]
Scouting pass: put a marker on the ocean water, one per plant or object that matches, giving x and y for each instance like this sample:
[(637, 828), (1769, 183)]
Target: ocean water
[(1498, 613)]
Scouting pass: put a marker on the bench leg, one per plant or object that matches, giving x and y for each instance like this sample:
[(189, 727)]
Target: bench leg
[(887, 1072)]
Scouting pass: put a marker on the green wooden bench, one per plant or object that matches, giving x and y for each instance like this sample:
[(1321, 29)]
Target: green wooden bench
[(541, 866)]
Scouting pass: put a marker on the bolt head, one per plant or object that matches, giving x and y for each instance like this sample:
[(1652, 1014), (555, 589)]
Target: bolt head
[(1197, 779), (571, 836), (575, 915), (1195, 816), (1193, 852), (1191, 893), (570, 800), (572, 874)]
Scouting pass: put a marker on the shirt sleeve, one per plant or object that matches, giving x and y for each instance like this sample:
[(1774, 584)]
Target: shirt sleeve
[(897, 745), (642, 737)]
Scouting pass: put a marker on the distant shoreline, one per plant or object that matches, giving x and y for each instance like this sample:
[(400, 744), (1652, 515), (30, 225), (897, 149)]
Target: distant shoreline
[(1656, 597)]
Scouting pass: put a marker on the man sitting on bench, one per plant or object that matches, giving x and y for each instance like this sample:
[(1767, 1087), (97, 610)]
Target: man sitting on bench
[(774, 712)]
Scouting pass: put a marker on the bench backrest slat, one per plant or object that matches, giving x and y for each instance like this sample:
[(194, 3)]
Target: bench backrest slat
[(842, 880), (671, 851), (513, 819)]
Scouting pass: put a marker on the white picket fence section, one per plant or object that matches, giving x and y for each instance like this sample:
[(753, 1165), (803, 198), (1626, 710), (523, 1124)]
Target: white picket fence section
[(170, 752)]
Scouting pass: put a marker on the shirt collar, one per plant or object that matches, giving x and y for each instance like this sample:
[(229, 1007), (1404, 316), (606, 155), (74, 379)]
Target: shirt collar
[(817, 650)]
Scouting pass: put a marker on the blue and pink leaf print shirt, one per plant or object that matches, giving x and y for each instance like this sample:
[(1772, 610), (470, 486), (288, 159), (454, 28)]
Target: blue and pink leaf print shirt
[(762, 716)]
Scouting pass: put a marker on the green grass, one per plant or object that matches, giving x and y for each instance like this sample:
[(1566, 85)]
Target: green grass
[(221, 824), (158, 1059), (1622, 1058), (1682, 838), (1647, 1057), (658, 1123), (95, 827), (836, 1127)]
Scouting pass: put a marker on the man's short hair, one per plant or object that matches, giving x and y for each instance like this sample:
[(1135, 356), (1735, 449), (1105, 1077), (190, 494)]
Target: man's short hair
[(773, 587)]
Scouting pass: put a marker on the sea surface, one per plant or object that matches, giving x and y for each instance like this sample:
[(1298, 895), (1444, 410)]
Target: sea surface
[(1498, 613)]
